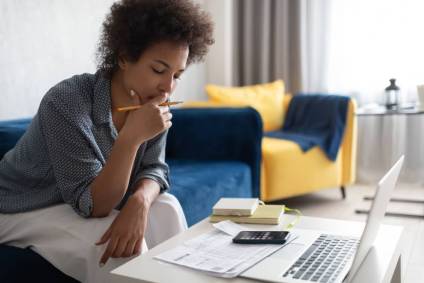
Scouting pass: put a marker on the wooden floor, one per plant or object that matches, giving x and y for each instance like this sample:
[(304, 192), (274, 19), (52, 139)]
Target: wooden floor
[(328, 203)]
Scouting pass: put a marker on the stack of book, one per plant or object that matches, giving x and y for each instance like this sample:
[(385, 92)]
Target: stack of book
[(246, 210)]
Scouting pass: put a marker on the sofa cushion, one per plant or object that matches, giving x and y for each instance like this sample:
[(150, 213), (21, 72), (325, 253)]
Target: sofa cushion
[(24, 265), (267, 99), (198, 185), (217, 134), (10, 132), (292, 172)]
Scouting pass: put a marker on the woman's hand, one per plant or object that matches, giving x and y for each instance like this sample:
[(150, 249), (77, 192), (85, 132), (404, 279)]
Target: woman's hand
[(147, 121), (125, 234)]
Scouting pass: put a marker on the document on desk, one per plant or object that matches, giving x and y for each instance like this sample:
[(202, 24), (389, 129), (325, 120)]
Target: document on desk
[(216, 254)]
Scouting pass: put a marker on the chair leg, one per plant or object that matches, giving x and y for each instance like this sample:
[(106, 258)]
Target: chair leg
[(343, 190)]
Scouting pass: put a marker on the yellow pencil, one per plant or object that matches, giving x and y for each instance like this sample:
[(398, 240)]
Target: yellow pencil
[(129, 108)]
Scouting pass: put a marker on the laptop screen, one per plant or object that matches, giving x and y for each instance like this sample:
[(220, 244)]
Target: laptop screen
[(378, 209)]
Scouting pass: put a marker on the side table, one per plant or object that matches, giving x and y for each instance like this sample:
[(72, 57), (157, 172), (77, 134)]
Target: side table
[(383, 136)]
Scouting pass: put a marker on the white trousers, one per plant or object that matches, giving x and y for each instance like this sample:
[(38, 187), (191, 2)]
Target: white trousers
[(67, 240)]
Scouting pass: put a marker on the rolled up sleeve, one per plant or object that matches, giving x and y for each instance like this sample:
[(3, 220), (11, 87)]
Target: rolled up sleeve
[(153, 165), (74, 162)]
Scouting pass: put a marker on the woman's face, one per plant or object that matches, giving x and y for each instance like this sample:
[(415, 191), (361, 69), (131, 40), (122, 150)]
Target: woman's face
[(156, 72)]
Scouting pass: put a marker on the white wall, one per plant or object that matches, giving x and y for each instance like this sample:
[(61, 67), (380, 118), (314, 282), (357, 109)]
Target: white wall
[(45, 41), (219, 62)]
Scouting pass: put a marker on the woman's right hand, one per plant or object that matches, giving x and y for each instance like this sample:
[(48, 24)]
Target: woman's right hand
[(147, 122)]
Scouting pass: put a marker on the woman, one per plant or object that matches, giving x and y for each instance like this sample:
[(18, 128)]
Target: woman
[(80, 150)]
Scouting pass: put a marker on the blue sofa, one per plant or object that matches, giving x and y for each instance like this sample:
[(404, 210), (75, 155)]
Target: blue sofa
[(212, 153)]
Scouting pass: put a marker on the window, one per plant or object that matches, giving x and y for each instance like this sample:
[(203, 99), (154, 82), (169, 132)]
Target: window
[(373, 41)]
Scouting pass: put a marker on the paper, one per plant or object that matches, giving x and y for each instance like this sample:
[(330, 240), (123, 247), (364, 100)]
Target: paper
[(229, 227), (215, 253)]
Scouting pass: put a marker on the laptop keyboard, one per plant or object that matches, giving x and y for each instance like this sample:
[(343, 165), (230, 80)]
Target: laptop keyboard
[(324, 260)]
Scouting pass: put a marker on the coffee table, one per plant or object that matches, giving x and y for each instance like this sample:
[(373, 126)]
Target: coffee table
[(384, 264)]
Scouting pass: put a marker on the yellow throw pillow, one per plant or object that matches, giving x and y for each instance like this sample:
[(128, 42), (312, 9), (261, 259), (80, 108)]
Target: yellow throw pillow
[(267, 99)]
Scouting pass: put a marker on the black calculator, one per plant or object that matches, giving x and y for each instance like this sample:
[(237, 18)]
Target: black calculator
[(261, 237)]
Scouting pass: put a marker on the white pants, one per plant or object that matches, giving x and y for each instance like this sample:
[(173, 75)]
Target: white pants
[(67, 240)]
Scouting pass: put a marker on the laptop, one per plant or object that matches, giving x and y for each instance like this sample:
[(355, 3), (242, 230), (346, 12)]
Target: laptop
[(324, 257)]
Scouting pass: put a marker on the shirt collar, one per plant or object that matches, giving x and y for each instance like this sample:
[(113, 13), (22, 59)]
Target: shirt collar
[(102, 99)]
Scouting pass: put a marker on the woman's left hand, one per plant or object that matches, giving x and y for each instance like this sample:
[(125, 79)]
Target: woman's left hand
[(125, 234)]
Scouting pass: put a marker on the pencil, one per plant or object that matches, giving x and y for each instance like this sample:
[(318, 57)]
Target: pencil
[(129, 108)]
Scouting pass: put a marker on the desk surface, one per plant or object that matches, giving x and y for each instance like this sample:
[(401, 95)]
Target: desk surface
[(382, 265)]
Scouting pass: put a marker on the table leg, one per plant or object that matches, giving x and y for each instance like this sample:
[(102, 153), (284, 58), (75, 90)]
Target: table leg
[(366, 211), (400, 200)]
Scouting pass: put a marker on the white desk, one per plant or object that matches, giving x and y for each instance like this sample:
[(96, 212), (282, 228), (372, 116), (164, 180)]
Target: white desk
[(383, 264)]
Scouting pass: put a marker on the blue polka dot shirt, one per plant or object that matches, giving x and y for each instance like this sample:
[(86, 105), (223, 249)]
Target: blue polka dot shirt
[(66, 146)]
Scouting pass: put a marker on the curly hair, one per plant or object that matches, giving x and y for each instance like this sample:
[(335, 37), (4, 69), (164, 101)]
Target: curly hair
[(134, 25)]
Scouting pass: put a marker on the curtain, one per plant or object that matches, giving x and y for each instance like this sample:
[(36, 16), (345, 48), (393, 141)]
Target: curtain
[(382, 139), (282, 39)]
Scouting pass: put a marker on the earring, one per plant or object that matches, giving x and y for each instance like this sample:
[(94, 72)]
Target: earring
[(132, 93)]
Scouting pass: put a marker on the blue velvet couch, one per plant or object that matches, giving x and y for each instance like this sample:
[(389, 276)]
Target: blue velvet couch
[(212, 153)]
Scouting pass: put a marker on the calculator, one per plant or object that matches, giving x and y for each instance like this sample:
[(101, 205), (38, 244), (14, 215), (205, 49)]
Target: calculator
[(261, 237)]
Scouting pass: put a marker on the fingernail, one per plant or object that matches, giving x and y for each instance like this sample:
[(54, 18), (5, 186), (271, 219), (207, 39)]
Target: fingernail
[(101, 264)]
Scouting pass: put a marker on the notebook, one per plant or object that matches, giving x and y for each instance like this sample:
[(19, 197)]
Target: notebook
[(264, 214), (235, 206)]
